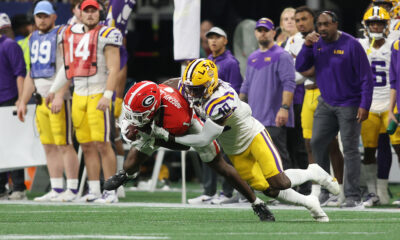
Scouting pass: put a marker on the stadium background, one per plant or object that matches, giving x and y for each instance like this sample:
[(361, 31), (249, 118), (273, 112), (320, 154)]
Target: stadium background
[(151, 45)]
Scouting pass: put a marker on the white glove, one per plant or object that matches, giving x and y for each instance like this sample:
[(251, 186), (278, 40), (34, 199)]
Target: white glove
[(159, 132), (123, 125), (143, 142)]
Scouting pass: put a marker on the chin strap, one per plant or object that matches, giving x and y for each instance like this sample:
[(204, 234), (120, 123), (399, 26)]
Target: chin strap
[(369, 50)]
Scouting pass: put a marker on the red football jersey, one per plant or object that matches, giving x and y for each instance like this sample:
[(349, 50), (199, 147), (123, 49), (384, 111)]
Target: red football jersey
[(177, 113)]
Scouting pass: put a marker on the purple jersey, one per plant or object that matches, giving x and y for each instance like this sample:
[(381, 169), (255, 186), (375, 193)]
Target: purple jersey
[(342, 71), (228, 69), (118, 14), (394, 70), (268, 74), (12, 65)]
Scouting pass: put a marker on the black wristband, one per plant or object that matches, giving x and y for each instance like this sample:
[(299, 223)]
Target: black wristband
[(285, 106)]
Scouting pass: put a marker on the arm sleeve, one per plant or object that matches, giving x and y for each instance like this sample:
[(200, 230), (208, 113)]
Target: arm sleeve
[(59, 81), (210, 132), (305, 59), (364, 72), (286, 72), (16, 57), (233, 75), (393, 64)]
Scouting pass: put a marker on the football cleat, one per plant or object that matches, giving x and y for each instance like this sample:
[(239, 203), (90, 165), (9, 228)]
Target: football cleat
[(118, 180), (18, 195), (66, 196), (371, 200), (202, 199), (107, 197), (263, 212), (315, 209), (324, 179), (89, 197), (47, 197)]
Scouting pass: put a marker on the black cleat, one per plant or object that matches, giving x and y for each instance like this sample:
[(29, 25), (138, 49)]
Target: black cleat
[(117, 180), (263, 212)]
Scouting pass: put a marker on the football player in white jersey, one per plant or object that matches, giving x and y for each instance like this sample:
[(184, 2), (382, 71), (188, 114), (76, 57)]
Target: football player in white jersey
[(243, 139), (92, 59), (378, 48)]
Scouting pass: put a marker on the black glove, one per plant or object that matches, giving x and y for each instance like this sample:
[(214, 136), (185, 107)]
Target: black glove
[(117, 180)]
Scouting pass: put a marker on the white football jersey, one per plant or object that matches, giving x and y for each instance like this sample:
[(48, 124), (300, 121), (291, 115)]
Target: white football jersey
[(380, 63), (294, 46), (107, 36), (394, 29), (240, 126)]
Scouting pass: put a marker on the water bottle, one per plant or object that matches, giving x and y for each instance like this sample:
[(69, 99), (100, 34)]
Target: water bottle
[(391, 129)]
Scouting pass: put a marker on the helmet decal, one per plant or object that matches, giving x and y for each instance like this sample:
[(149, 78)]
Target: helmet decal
[(148, 101)]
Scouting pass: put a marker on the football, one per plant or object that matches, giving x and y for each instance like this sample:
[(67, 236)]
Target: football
[(132, 132)]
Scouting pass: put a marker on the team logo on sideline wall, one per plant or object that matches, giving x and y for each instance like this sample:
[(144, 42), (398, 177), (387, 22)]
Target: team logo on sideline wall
[(148, 101)]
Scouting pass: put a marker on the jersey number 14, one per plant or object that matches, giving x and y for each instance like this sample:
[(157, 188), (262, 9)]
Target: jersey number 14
[(82, 49)]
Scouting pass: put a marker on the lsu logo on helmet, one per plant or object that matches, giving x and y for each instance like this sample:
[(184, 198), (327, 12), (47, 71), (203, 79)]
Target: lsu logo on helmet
[(200, 79), (376, 14)]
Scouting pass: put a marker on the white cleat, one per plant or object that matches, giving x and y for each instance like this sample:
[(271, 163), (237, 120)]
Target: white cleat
[(121, 192), (107, 197), (315, 209), (324, 179), (66, 196), (47, 197), (202, 199), (89, 197)]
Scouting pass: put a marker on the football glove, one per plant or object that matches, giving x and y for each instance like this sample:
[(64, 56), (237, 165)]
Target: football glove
[(159, 132), (118, 179)]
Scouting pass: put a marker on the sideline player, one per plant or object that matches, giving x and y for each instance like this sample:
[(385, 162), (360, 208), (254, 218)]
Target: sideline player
[(146, 104), (376, 23), (54, 125), (91, 57), (243, 139)]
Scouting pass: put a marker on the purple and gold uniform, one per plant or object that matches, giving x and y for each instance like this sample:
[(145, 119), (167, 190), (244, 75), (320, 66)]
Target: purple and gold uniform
[(46, 60), (377, 121), (90, 123), (245, 140)]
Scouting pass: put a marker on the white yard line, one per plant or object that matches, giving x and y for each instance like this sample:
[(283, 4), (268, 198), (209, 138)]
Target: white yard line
[(80, 236), (179, 205)]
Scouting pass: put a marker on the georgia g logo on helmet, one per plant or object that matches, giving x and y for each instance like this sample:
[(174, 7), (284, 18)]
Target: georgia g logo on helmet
[(148, 101)]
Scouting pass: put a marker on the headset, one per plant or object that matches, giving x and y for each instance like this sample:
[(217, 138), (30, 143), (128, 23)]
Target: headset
[(330, 13), (102, 10)]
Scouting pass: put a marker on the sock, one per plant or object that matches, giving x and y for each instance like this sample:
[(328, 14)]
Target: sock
[(370, 172), (341, 193), (94, 187), (120, 162), (315, 190), (384, 158), (57, 184), (257, 201), (298, 176), (72, 184), (382, 191), (291, 196)]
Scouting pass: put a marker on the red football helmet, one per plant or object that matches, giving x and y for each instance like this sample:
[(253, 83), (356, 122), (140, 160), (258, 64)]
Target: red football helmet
[(141, 102)]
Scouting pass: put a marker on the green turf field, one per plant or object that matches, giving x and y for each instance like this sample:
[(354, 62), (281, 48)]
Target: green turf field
[(135, 222), (158, 215)]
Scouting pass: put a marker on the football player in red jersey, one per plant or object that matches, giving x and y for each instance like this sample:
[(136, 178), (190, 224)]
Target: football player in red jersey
[(146, 104)]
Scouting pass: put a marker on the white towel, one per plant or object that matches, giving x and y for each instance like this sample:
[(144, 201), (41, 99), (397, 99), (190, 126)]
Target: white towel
[(186, 29)]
